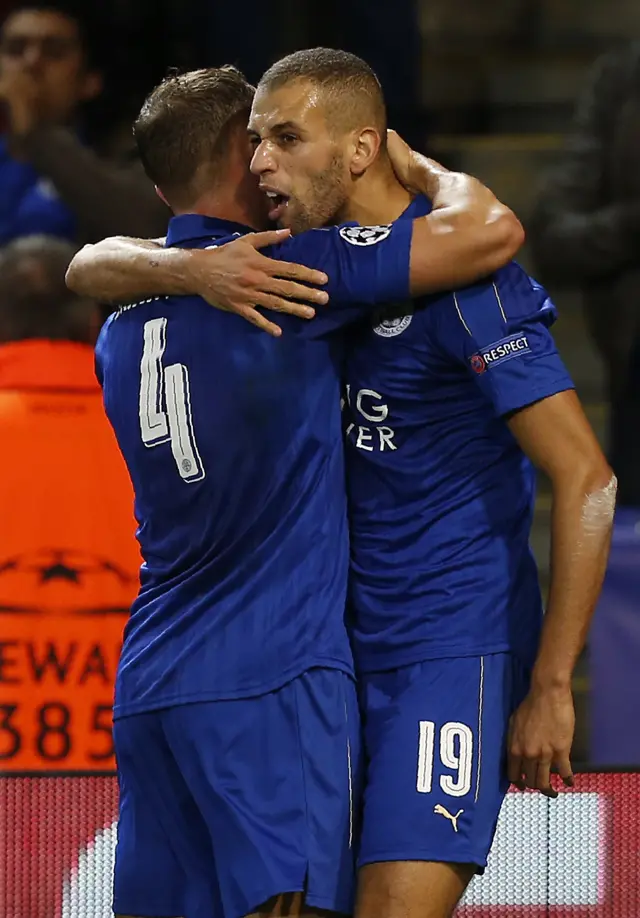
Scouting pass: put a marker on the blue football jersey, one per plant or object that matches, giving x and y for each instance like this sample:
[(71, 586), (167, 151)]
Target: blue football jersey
[(441, 495), (233, 441)]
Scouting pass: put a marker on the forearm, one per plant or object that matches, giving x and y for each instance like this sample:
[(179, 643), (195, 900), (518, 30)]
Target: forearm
[(582, 518), (106, 198), (468, 235), (120, 270), (459, 245)]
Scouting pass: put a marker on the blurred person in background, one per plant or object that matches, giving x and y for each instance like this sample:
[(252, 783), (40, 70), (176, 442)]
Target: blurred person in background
[(585, 232), (51, 412), (50, 181), (69, 560)]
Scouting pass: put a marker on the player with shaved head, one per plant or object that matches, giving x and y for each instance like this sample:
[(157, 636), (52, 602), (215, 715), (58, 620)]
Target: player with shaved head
[(450, 404)]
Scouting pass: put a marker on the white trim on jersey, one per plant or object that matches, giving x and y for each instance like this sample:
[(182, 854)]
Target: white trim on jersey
[(460, 316), (350, 773), (498, 304), (495, 290), (480, 717)]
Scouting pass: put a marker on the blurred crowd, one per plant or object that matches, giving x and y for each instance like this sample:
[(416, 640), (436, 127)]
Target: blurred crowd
[(73, 77), (585, 232)]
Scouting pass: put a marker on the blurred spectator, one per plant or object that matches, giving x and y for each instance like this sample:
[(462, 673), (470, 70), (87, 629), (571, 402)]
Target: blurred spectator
[(586, 232), (69, 560), (50, 180), (65, 494)]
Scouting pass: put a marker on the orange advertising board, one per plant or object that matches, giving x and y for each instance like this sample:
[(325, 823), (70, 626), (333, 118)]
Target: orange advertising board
[(57, 667), (69, 565), (56, 697)]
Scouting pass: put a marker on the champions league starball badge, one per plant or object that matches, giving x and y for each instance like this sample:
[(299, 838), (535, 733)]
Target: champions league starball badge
[(364, 235)]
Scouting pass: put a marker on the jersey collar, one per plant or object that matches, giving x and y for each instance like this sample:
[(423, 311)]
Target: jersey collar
[(194, 228), (419, 207)]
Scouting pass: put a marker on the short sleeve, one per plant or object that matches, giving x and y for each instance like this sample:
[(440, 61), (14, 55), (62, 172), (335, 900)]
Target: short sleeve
[(500, 331)]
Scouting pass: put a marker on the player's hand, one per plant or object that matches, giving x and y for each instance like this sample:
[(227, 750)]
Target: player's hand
[(408, 165), (236, 277), (448, 190), (401, 155), (540, 740)]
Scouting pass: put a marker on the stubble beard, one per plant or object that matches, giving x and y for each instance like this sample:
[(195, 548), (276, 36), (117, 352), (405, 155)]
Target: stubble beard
[(325, 200)]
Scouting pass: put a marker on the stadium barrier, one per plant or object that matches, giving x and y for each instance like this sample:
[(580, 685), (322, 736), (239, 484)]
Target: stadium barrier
[(574, 857)]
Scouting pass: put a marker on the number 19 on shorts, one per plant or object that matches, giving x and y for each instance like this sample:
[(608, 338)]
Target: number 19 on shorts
[(455, 753)]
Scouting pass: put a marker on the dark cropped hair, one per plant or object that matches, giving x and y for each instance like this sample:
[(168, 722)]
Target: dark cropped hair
[(353, 92)]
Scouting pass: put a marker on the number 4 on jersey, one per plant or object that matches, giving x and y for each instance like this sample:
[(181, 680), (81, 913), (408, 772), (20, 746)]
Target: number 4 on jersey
[(165, 403)]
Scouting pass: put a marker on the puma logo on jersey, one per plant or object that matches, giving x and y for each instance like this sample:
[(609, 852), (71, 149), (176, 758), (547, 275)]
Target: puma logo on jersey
[(441, 811)]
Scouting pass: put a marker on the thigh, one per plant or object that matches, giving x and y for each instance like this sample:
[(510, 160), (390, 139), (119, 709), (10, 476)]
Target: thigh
[(290, 905), (163, 862), (436, 734), (276, 779), (411, 889)]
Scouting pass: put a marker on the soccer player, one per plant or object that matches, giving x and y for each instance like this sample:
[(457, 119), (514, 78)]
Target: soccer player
[(449, 409), (235, 720), (451, 402)]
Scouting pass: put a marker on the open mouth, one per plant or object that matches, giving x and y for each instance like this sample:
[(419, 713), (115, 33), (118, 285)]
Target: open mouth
[(277, 205)]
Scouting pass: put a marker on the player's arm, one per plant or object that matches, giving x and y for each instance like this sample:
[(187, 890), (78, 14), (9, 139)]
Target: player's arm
[(557, 437), (234, 276), (468, 235), (500, 331)]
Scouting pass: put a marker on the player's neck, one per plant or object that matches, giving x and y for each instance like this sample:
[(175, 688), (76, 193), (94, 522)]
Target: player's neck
[(222, 207), (378, 197)]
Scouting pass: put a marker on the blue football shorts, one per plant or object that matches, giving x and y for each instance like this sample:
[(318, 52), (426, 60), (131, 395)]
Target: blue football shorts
[(226, 804), (435, 738)]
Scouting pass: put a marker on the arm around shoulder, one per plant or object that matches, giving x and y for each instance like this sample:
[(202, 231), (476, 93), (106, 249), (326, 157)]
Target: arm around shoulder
[(468, 235), (120, 269), (234, 276)]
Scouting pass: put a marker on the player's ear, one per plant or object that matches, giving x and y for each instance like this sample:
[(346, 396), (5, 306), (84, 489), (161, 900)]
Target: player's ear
[(365, 150)]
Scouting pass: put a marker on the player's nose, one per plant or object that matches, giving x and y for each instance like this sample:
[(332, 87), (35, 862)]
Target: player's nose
[(262, 160)]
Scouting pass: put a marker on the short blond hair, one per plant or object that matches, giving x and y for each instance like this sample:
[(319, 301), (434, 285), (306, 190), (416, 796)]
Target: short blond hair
[(184, 123)]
